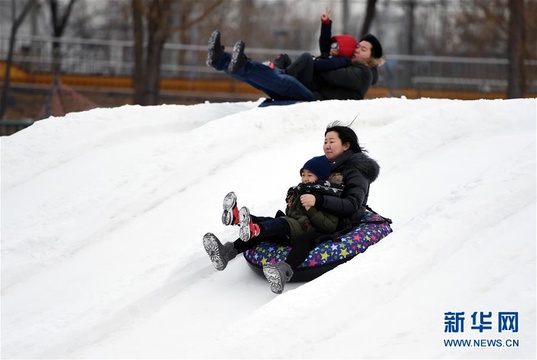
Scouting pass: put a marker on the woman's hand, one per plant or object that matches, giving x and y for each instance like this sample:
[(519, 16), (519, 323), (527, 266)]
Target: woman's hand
[(307, 200), (326, 15)]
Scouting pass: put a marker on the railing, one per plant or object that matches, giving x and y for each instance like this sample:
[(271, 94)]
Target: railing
[(115, 58), (9, 127), (451, 73)]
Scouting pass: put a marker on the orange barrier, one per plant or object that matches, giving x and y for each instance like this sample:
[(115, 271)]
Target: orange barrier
[(189, 87), (20, 76)]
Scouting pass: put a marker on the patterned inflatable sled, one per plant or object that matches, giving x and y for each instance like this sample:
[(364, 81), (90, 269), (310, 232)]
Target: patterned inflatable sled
[(271, 102), (326, 255)]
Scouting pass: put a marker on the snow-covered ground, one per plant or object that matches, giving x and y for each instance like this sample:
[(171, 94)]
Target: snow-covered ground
[(103, 213)]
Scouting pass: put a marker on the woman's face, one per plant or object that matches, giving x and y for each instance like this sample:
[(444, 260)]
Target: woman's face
[(333, 147)]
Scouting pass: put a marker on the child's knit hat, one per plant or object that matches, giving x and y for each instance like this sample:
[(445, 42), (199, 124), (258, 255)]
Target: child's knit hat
[(318, 165), (346, 44)]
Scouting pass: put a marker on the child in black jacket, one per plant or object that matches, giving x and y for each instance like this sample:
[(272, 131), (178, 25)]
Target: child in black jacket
[(336, 53), (286, 227)]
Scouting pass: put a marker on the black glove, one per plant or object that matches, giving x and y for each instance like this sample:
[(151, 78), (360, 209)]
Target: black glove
[(292, 194)]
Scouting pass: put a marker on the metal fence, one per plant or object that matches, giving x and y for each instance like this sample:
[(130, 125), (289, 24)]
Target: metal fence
[(115, 58)]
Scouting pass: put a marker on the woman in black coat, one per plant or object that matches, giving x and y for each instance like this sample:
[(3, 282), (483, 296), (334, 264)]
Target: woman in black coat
[(357, 171)]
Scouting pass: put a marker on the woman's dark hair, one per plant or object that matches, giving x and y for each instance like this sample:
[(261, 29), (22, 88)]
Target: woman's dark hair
[(346, 134)]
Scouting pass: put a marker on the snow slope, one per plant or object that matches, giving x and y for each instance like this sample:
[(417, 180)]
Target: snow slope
[(103, 213)]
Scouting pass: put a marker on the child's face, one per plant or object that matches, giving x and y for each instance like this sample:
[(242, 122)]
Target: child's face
[(334, 49), (307, 176)]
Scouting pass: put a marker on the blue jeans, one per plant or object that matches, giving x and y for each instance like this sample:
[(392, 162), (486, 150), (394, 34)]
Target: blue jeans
[(274, 83)]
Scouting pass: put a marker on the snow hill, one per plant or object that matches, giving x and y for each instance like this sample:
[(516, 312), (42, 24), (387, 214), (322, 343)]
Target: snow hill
[(103, 213)]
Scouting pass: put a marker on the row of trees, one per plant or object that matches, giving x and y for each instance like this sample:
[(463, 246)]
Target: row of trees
[(501, 28)]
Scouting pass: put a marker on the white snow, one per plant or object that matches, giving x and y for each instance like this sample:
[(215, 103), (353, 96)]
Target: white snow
[(103, 213)]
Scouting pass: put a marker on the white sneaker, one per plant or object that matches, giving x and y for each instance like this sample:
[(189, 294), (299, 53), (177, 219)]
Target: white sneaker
[(247, 229), (230, 215)]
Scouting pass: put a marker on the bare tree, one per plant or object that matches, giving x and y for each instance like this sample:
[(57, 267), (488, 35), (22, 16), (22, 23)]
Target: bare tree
[(345, 16), (153, 26), (17, 21), (501, 29), (410, 6), (516, 46), (59, 23), (480, 26), (369, 16)]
